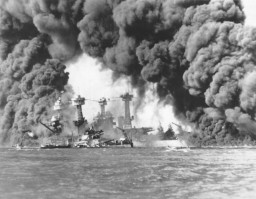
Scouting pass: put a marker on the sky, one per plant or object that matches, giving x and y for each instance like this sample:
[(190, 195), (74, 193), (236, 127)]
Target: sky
[(91, 82)]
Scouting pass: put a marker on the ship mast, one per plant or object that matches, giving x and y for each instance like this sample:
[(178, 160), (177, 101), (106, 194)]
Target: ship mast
[(78, 101), (103, 103), (127, 118)]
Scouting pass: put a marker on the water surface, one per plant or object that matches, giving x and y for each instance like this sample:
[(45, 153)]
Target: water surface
[(128, 173)]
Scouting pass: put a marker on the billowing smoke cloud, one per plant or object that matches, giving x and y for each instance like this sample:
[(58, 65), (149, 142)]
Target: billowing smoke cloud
[(35, 36), (197, 52)]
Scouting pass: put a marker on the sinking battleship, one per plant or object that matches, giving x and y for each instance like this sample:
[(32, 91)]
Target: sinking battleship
[(123, 127), (55, 126), (137, 136), (85, 137), (103, 131)]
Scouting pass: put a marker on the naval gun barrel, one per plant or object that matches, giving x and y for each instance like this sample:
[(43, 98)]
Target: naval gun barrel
[(47, 127)]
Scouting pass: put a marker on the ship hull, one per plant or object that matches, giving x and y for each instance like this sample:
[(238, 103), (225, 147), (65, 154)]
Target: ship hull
[(55, 147), (107, 146)]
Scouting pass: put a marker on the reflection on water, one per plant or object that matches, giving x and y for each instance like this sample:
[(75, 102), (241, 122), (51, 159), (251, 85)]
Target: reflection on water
[(128, 173)]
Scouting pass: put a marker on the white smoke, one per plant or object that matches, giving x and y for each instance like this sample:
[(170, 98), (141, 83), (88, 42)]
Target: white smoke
[(90, 81), (153, 113), (249, 9)]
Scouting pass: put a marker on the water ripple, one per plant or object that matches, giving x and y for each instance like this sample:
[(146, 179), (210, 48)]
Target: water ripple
[(128, 173)]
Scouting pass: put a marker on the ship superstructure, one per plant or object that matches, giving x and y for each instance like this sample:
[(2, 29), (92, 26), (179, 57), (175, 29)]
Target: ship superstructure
[(56, 140), (125, 122), (78, 101), (127, 113), (55, 120), (103, 103), (104, 120)]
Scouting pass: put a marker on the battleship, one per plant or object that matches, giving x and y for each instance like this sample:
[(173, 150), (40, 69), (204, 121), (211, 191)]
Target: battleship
[(147, 136), (84, 135), (103, 131)]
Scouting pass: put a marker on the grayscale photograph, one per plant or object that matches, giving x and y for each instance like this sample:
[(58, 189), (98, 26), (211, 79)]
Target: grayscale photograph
[(127, 99)]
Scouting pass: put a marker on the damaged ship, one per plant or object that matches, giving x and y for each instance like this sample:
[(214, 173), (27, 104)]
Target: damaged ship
[(103, 131), (85, 136), (139, 137)]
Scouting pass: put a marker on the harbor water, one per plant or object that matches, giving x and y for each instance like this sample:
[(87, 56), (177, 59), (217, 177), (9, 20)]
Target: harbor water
[(128, 173)]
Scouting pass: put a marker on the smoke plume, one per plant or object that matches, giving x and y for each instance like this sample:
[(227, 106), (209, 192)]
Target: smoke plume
[(198, 52)]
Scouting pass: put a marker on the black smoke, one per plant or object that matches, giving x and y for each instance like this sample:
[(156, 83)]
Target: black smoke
[(35, 38), (198, 52)]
